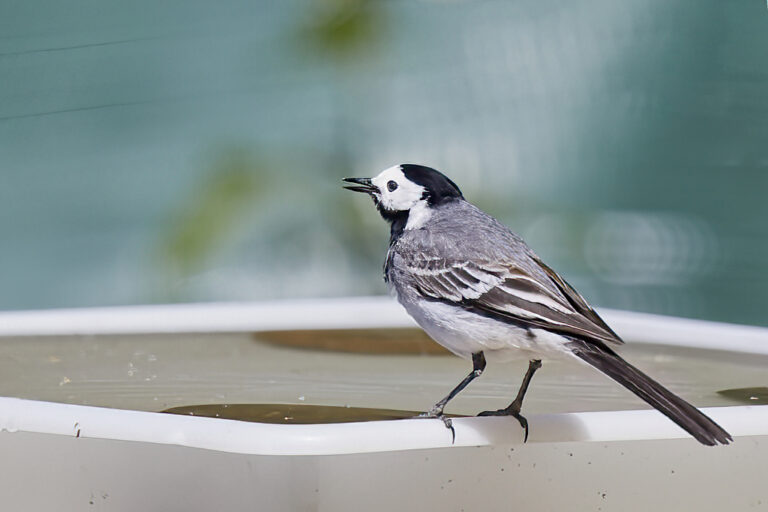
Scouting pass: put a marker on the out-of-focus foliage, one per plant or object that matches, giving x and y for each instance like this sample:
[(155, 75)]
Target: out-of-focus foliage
[(343, 29), (214, 211)]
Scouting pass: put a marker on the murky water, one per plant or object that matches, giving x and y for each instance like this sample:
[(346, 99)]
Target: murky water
[(159, 372), (291, 414), (748, 396)]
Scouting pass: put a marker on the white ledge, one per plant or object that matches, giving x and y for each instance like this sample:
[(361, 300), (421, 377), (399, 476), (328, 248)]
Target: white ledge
[(17, 415), (344, 313)]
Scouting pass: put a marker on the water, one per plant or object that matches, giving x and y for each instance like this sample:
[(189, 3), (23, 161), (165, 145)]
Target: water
[(747, 396), (251, 375), (291, 414)]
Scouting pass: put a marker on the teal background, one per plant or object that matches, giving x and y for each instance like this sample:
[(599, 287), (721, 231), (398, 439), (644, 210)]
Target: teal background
[(192, 151)]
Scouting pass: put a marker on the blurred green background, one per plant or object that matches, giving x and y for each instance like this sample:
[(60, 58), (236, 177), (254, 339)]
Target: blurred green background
[(191, 151)]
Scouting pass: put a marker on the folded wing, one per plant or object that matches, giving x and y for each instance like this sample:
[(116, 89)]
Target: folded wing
[(509, 293)]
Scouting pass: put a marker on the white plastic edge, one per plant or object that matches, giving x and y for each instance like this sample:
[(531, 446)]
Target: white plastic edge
[(343, 313), (17, 415)]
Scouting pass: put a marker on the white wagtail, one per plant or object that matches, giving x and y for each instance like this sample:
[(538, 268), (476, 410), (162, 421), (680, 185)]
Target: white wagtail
[(477, 289)]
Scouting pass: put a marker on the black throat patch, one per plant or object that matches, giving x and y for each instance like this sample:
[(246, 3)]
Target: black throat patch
[(397, 222)]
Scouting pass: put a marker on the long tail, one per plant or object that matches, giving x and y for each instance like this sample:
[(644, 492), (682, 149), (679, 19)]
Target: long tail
[(672, 406)]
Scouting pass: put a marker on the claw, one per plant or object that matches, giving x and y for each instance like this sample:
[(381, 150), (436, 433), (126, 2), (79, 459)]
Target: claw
[(506, 412), (449, 425), (438, 414), (524, 424)]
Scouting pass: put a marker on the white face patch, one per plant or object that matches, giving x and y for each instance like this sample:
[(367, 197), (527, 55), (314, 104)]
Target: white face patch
[(404, 195)]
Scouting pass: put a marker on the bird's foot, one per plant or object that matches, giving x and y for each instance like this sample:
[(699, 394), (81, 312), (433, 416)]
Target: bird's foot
[(437, 412), (510, 412)]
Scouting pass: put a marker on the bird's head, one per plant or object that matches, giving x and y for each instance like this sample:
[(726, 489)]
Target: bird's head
[(406, 193)]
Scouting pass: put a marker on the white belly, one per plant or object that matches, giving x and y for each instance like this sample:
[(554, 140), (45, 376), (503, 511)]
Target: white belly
[(464, 333)]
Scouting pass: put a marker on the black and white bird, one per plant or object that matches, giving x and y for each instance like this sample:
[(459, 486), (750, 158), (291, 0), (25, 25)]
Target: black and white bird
[(478, 290)]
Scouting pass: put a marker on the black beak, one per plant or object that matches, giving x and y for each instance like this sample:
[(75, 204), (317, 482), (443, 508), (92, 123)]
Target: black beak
[(364, 185)]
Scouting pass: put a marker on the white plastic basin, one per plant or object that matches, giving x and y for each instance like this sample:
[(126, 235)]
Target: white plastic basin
[(81, 431)]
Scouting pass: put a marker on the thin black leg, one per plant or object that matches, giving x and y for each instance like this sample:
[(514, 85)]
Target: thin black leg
[(478, 365), (514, 408)]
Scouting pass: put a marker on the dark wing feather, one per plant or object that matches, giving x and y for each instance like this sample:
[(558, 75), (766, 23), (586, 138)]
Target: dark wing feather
[(509, 293), (577, 301)]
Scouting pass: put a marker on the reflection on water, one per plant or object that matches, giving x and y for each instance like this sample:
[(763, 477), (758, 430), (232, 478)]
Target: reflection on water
[(290, 414)]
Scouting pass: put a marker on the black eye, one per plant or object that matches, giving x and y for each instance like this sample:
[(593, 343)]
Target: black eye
[(391, 186)]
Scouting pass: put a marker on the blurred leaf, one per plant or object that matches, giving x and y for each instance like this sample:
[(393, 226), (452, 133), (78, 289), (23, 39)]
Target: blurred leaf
[(234, 182), (343, 28)]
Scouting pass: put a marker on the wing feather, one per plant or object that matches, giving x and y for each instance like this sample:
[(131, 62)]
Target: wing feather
[(509, 293)]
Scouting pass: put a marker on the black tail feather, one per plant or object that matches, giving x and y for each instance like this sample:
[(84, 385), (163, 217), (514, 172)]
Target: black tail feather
[(672, 406)]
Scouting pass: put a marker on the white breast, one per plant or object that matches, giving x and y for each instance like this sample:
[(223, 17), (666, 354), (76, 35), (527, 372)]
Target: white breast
[(464, 333)]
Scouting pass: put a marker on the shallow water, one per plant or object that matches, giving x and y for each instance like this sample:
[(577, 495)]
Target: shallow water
[(159, 372), (291, 414)]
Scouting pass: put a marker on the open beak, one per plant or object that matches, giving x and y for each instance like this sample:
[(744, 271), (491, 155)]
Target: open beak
[(362, 185)]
